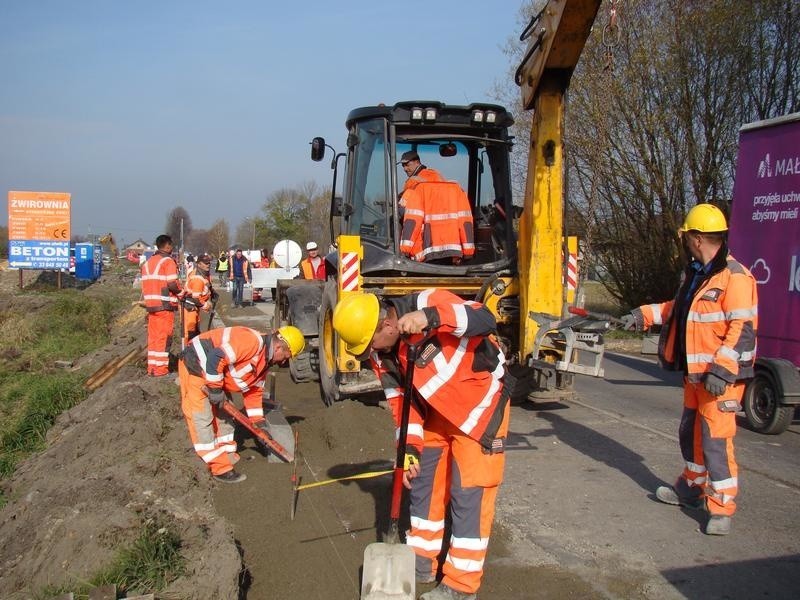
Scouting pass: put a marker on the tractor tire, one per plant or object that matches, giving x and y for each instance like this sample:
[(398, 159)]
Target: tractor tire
[(328, 379), (301, 368)]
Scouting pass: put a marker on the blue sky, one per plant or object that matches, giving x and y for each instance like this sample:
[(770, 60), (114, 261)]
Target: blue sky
[(137, 107)]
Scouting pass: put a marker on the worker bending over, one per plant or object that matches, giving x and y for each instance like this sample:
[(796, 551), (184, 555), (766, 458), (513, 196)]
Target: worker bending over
[(220, 362), (708, 332), (458, 422)]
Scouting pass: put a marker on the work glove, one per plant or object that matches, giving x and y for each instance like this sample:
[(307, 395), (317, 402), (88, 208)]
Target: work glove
[(216, 396), (628, 322), (715, 385)]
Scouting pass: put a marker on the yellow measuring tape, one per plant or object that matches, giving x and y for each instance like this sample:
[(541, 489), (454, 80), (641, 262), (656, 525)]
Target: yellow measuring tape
[(358, 476)]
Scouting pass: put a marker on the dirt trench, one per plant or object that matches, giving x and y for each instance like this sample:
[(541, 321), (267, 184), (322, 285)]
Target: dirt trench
[(124, 456)]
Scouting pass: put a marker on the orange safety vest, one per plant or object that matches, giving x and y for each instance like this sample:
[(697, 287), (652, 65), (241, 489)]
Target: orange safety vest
[(157, 273), (721, 325), (309, 272), (437, 222), (463, 378), (231, 358), (199, 289)]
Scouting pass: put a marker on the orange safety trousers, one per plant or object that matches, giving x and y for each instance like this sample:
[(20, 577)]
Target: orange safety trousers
[(706, 432), (160, 326), (191, 325), (210, 429), (456, 472)]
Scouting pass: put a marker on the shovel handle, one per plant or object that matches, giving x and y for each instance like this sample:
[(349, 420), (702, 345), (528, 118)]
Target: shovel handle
[(408, 391)]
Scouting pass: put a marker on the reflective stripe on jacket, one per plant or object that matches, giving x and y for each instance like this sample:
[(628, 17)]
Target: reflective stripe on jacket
[(462, 379), (437, 222), (157, 273), (424, 174), (721, 324), (231, 358)]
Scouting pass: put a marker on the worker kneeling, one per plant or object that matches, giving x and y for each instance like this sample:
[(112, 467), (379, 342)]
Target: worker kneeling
[(457, 426), (217, 363)]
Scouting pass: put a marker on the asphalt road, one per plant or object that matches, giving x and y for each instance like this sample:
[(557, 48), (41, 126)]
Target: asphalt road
[(579, 492)]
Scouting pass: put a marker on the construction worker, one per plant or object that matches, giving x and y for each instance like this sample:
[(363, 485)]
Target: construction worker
[(457, 426), (239, 275), (199, 296), (217, 363), (416, 171), (312, 266), (222, 267), (160, 290), (437, 223), (708, 332)]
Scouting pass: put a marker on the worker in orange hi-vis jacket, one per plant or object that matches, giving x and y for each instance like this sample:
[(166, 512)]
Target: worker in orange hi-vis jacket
[(313, 265), (198, 298), (161, 290), (709, 333), (457, 426), (437, 223), (217, 363)]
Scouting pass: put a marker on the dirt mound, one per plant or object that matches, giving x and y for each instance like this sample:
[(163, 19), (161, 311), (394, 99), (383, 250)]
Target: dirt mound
[(119, 458)]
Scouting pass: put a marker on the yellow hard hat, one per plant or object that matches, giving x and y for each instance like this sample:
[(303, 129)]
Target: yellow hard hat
[(293, 337), (355, 319), (706, 218)]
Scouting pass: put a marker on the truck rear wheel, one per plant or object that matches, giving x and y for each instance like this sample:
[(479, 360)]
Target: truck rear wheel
[(762, 405), (328, 381)]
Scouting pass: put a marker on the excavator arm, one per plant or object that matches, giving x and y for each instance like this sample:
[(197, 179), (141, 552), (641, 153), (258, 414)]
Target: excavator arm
[(107, 241), (556, 37)]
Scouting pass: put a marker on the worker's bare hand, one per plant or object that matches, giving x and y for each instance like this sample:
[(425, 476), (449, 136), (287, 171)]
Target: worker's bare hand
[(409, 474), (413, 322)]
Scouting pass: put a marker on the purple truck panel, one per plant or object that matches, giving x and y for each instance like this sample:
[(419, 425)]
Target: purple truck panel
[(765, 229)]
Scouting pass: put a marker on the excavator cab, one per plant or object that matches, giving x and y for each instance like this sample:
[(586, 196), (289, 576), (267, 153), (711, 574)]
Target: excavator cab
[(467, 145)]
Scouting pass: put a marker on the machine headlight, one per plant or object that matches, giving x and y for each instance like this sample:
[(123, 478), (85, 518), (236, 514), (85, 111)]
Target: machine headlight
[(477, 116), (430, 114), (416, 114)]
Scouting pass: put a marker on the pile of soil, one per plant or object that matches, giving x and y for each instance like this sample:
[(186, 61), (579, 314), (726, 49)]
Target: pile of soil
[(115, 461), (123, 457)]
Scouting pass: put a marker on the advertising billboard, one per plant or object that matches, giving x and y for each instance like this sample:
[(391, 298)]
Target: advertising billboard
[(38, 230)]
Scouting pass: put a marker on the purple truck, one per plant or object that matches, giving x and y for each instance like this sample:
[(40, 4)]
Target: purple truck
[(765, 236)]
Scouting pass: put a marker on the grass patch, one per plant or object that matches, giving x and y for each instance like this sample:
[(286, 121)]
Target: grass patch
[(36, 330), (148, 565)]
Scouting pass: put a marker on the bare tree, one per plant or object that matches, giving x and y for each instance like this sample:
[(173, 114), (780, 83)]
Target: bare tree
[(172, 228), (218, 236), (652, 124)]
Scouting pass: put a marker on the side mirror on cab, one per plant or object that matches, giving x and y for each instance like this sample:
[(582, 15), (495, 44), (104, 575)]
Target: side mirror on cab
[(317, 149)]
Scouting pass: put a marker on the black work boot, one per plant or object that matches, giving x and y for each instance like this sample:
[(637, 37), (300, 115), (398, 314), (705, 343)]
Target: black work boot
[(230, 477)]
